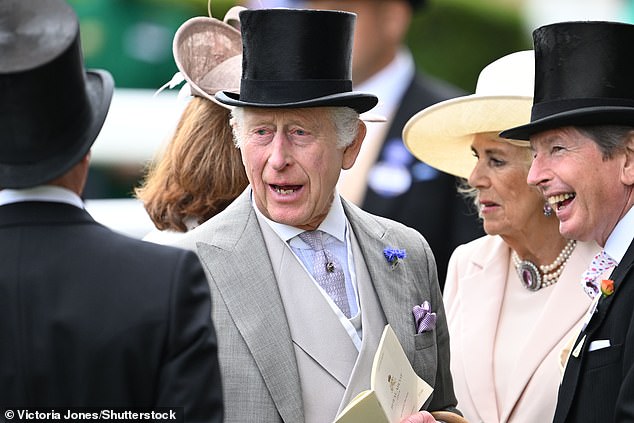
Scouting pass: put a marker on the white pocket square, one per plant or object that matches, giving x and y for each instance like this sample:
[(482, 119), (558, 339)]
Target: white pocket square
[(598, 345)]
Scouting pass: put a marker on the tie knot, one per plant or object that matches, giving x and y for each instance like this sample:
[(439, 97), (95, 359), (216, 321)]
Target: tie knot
[(314, 239)]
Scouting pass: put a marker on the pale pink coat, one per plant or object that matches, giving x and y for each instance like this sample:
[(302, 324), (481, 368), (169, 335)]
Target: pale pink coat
[(473, 293)]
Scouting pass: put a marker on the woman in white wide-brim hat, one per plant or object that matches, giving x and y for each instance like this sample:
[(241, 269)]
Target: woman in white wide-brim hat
[(513, 297)]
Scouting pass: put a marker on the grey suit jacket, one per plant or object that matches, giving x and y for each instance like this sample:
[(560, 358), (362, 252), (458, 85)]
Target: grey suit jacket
[(257, 360)]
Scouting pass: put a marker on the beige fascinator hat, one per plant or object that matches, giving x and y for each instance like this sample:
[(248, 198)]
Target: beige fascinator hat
[(208, 54), (441, 134)]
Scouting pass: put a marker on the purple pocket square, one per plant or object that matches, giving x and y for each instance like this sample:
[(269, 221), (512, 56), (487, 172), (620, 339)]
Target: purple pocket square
[(425, 319)]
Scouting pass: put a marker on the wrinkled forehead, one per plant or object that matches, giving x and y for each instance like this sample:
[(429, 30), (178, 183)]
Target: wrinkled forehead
[(550, 136)]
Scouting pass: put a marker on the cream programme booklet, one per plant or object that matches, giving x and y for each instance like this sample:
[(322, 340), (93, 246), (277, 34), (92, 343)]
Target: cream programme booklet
[(396, 391)]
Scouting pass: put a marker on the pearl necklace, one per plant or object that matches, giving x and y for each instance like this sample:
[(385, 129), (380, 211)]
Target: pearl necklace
[(534, 278)]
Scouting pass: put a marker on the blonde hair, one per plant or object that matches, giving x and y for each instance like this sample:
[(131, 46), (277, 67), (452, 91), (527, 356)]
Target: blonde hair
[(200, 172)]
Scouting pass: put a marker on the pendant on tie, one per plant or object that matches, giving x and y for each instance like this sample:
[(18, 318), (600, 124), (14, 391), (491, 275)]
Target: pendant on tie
[(330, 267)]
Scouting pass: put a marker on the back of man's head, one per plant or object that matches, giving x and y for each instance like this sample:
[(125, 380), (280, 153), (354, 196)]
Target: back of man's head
[(51, 109)]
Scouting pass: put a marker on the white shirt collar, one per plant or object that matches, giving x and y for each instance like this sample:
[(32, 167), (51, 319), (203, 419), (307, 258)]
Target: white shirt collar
[(334, 224), (621, 237), (41, 193), (390, 83)]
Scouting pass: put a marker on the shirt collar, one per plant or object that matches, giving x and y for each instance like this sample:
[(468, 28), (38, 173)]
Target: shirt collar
[(621, 237), (334, 224), (40, 193)]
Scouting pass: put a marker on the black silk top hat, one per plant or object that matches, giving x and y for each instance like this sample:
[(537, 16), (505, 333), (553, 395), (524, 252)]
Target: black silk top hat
[(583, 76), (51, 109), (293, 58)]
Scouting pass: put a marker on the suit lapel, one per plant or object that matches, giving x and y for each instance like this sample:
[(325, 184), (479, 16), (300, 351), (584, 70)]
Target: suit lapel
[(485, 290), (623, 269), (617, 275), (395, 291), (252, 290), (569, 383)]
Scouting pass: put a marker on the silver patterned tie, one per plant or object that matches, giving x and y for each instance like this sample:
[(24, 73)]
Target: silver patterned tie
[(327, 270)]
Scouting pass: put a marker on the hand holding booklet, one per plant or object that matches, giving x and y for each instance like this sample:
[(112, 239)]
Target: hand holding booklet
[(396, 391)]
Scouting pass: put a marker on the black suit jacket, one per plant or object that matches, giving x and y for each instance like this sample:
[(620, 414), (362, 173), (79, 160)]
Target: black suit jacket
[(91, 318), (598, 386), (432, 204)]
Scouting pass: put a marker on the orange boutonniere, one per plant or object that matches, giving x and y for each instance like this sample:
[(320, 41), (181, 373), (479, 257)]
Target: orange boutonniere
[(607, 287)]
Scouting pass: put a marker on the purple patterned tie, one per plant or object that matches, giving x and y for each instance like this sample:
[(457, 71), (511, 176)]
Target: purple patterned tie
[(600, 263), (327, 270)]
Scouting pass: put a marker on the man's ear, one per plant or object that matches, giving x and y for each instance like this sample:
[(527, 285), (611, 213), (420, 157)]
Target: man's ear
[(627, 173), (352, 151)]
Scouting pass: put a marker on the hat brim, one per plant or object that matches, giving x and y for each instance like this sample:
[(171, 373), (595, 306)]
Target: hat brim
[(99, 89), (441, 135), (361, 102), (600, 115)]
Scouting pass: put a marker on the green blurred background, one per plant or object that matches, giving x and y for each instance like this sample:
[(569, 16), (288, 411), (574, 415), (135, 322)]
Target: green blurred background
[(450, 39)]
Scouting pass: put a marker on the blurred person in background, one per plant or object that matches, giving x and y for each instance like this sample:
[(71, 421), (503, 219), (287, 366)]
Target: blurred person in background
[(201, 170), (91, 318), (512, 297), (386, 179)]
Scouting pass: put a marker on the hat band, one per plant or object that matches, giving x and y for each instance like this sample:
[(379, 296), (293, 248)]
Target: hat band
[(549, 108), (281, 92)]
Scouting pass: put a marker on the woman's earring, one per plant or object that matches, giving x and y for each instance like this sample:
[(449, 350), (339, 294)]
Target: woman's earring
[(548, 210)]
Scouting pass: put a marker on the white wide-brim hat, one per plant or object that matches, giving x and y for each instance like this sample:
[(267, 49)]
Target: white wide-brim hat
[(441, 134)]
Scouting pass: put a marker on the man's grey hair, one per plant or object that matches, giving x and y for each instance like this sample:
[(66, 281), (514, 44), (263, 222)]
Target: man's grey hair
[(345, 120), (609, 138)]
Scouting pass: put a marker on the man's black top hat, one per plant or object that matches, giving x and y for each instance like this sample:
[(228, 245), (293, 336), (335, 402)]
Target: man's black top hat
[(583, 76), (296, 58), (51, 110)]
